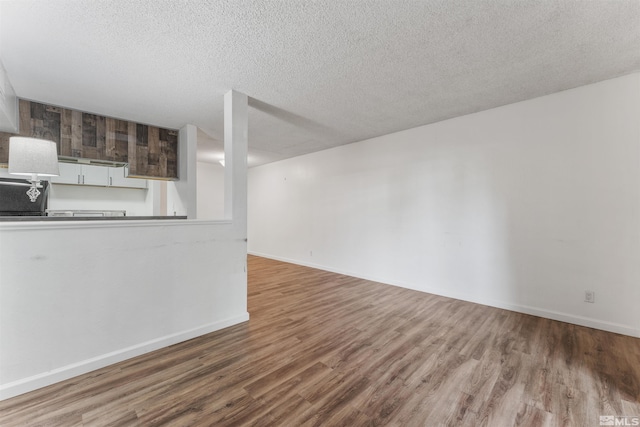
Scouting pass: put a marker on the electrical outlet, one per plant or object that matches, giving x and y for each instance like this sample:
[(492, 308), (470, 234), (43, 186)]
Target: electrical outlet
[(589, 296)]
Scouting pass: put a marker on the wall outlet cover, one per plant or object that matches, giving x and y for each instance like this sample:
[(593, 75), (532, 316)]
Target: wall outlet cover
[(589, 296)]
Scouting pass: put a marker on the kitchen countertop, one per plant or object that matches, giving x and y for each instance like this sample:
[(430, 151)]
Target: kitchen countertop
[(84, 218)]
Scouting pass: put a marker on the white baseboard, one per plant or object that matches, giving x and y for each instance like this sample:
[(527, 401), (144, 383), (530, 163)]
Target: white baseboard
[(534, 311), (65, 372)]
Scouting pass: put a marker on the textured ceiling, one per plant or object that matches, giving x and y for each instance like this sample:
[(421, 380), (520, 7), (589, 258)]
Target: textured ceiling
[(318, 73)]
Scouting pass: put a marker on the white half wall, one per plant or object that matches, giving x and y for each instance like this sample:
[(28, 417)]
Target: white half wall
[(78, 296), (522, 207)]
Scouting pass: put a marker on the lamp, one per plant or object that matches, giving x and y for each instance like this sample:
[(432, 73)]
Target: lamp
[(33, 157)]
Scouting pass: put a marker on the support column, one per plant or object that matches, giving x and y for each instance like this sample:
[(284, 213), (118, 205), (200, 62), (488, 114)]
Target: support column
[(182, 194), (236, 112)]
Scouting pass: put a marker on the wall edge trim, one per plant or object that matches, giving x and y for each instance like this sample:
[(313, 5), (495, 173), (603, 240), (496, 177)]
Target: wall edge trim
[(44, 379), (524, 309)]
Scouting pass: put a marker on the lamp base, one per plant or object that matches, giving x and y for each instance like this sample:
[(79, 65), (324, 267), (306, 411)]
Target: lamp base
[(33, 192)]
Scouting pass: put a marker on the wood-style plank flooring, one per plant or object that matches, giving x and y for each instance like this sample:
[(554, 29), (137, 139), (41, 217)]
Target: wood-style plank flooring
[(322, 349)]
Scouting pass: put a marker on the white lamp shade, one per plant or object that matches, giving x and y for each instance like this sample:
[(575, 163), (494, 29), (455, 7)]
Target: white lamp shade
[(31, 156)]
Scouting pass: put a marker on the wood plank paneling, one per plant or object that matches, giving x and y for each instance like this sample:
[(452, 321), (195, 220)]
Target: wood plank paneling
[(76, 134), (151, 151), (90, 137), (153, 155), (120, 152), (132, 133), (4, 147), (65, 147), (326, 350), (101, 137), (156, 152), (169, 150), (117, 140)]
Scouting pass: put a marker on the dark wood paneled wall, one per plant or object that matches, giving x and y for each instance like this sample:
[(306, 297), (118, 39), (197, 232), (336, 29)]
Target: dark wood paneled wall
[(151, 151)]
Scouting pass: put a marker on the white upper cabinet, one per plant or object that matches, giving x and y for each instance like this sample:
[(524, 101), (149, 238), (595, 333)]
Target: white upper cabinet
[(118, 178), (70, 173), (101, 176), (94, 175)]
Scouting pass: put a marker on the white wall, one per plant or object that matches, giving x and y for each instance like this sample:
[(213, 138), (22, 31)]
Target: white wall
[(135, 201), (175, 205), (210, 190), (78, 296), (8, 105), (523, 207)]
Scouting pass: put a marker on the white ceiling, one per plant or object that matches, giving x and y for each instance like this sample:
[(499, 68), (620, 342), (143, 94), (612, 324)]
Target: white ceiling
[(318, 73)]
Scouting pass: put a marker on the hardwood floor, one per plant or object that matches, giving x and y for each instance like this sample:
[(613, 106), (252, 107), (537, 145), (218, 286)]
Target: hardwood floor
[(322, 349)]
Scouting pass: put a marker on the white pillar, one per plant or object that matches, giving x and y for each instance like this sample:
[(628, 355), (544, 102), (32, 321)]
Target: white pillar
[(182, 198), (236, 123)]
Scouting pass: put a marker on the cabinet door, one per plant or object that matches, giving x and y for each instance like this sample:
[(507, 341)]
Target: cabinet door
[(118, 178), (95, 175), (70, 173), (73, 173), (154, 152)]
